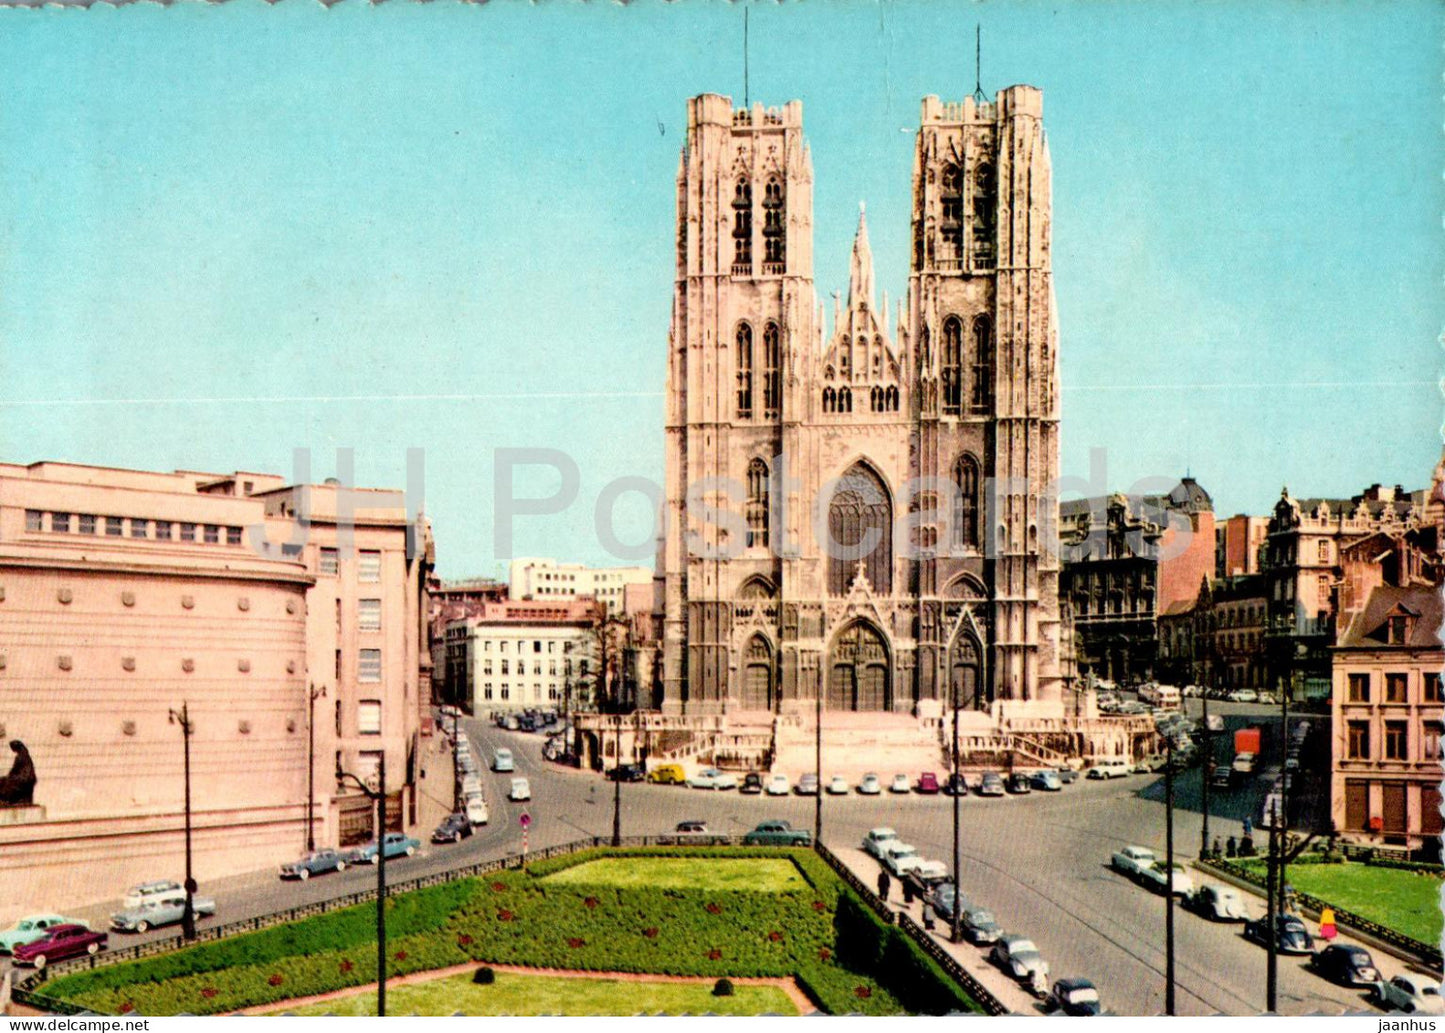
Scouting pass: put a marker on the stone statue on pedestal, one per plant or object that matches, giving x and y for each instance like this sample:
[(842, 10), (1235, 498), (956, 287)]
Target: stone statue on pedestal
[(17, 789)]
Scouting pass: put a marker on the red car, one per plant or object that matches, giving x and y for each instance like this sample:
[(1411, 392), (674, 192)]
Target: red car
[(59, 942), (928, 782)]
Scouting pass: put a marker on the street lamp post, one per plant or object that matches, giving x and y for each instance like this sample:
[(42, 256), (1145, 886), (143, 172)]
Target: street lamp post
[(379, 795), (818, 759), (617, 781), (456, 767), (1169, 875), (313, 693), (1206, 771), (188, 911)]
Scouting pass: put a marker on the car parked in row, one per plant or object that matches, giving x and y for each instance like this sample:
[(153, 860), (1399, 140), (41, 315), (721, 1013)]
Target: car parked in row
[(1020, 958), (752, 784), (395, 844), (1110, 769), (712, 778), (453, 829), (1159, 876), (138, 895), (990, 784), (871, 785), (979, 927), (1291, 936), (928, 783), (1046, 781), (898, 857), (1074, 997), (807, 785), (877, 840), (318, 862), (68, 940), (1217, 903), (1410, 993), (1020, 784), (1346, 964), (955, 784), (475, 808), (627, 773), (778, 785), (900, 784), (837, 786), (667, 775)]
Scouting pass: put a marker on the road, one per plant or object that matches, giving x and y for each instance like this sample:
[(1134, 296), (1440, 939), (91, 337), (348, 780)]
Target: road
[(1039, 862)]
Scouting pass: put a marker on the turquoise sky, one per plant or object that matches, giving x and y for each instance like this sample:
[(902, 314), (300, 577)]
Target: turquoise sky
[(233, 231)]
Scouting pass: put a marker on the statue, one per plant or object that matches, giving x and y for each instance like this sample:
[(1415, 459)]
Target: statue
[(17, 789)]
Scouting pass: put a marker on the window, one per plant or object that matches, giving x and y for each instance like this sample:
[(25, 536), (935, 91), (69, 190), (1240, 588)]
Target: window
[(369, 666), (772, 371), (1357, 740), (951, 206), (985, 200), (1324, 551), (233, 536), (860, 517), (213, 534), (368, 566), (163, 530), (506, 667), (551, 647), (775, 238), (536, 646), (188, 532), (1430, 740), (1396, 687), (1397, 740), (1395, 630), (87, 523), (965, 503), (742, 228), (368, 717), (338, 671), (504, 644), (487, 691), (982, 365), (328, 561), (60, 522), (114, 527), (1430, 688), (757, 513), (506, 692), (487, 668), (952, 365), (1359, 687), (368, 615), (745, 370), (34, 520), (139, 528)]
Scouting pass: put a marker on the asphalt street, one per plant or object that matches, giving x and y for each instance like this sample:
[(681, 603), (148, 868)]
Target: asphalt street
[(1039, 862)]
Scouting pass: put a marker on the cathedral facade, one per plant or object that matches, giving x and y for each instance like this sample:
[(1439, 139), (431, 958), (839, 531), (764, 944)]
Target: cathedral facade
[(862, 508)]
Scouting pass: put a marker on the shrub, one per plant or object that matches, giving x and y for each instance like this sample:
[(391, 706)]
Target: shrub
[(484, 976), (723, 987)]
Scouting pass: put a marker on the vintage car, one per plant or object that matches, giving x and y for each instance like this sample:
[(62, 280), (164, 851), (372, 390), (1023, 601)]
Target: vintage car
[(69, 940), (317, 862), (163, 910), (394, 843), (30, 929), (777, 833)]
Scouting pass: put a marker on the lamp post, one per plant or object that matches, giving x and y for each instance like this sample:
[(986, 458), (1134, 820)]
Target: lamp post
[(313, 694), (1206, 771), (617, 781), (182, 717), (456, 767), (379, 795), (1169, 875)]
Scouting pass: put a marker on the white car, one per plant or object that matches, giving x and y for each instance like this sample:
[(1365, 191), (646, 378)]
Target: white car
[(900, 857), (1411, 993), (502, 760), (521, 790), (1218, 903), (1018, 956), (878, 839), (1243, 696), (476, 810), (778, 785), (1245, 763), (148, 891), (1179, 881), (930, 872), (1132, 860), (712, 778), (870, 786), (1111, 769), (900, 784), (838, 786), (471, 784)]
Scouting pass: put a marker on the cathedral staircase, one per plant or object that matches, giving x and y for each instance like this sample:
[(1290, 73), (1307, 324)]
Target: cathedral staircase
[(857, 743)]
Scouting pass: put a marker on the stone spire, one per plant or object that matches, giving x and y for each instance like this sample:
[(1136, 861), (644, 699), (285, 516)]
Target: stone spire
[(860, 277)]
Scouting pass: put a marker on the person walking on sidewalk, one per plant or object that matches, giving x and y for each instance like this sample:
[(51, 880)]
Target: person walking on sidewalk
[(928, 917), (883, 884)]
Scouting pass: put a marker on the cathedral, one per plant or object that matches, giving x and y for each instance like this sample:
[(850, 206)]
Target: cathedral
[(861, 508)]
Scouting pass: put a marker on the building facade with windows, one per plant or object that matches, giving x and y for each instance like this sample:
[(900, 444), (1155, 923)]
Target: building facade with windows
[(1387, 712), (885, 416), (547, 580), (526, 654), (1238, 544), (125, 595)]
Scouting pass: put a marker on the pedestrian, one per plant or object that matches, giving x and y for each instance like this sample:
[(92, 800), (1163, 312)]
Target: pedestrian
[(1229, 848), (928, 916), (1215, 852), (1246, 846), (907, 891), (1327, 924), (883, 883), (1248, 828)]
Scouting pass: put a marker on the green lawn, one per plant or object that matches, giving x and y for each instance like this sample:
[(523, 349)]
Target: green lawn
[(1404, 901), (514, 994), (769, 875)]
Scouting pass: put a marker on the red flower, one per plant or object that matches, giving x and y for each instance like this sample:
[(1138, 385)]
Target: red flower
[(714, 954), (276, 979), (713, 909), (775, 936), (463, 940), (576, 942), (498, 887), (504, 915), (126, 1006), (650, 932), (864, 992), (209, 992), (346, 965), (591, 902), (824, 954), (401, 955), (818, 905)]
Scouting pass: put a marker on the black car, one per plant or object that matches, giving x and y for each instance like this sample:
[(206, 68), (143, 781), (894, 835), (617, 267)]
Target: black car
[(1343, 963), (1018, 782), (454, 828), (627, 773), (955, 785), (1293, 937), (752, 783), (1075, 997)]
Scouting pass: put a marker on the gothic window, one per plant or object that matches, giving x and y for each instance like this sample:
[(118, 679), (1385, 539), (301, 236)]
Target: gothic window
[(830, 400), (985, 201), (952, 365), (925, 356), (743, 228), (757, 513), (951, 197), (772, 371), (745, 370), (860, 527), (845, 399), (775, 240), (875, 399), (845, 357), (893, 399), (965, 503), (982, 365)]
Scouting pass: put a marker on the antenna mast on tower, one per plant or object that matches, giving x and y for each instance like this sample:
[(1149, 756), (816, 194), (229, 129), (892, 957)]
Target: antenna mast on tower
[(977, 62), (745, 57)]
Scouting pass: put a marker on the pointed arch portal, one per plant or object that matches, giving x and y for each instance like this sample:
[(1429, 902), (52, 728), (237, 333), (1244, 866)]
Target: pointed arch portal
[(758, 675), (858, 670)]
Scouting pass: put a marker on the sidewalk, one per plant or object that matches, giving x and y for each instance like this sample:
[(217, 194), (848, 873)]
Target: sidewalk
[(974, 960), (435, 787)]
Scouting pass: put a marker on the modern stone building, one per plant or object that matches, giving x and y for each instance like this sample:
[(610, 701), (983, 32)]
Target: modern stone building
[(523, 654), (126, 595), (548, 580)]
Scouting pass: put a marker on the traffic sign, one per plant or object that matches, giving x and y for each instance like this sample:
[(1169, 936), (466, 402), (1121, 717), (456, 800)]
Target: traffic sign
[(524, 820)]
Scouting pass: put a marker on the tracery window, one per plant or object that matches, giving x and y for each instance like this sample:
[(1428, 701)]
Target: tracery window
[(743, 228), (982, 371), (772, 371), (965, 503), (745, 370), (757, 511), (775, 239), (952, 365)]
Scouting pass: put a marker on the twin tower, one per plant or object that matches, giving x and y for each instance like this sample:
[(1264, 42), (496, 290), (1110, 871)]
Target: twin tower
[(861, 510)]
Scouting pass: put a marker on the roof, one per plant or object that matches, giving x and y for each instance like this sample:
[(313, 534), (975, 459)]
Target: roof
[(1368, 629)]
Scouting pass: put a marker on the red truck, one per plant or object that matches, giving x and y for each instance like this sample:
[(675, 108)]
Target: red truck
[(1247, 740)]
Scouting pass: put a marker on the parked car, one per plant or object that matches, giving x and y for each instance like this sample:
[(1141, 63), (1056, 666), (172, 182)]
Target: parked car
[(1223, 778), (1157, 876), (837, 786), (502, 760), (68, 940), (877, 839), (807, 785), (898, 857), (1132, 860), (712, 778), (752, 784), (778, 784), (1266, 698), (138, 895), (926, 874), (395, 844), (1410, 993), (471, 784), (158, 911), (1018, 956), (30, 929), (1110, 769), (692, 829), (1075, 997), (955, 785), (900, 784), (991, 784), (979, 926), (1046, 781), (1245, 763), (871, 785), (777, 833), (318, 862), (521, 790), (1019, 783), (627, 773), (1292, 936), (1217, 903), (928, 783), (1068, 776), (1149, 763), (476, 810), (1243, 696), (453, 829), (1347, 964), (668, 775), (942, 898)]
